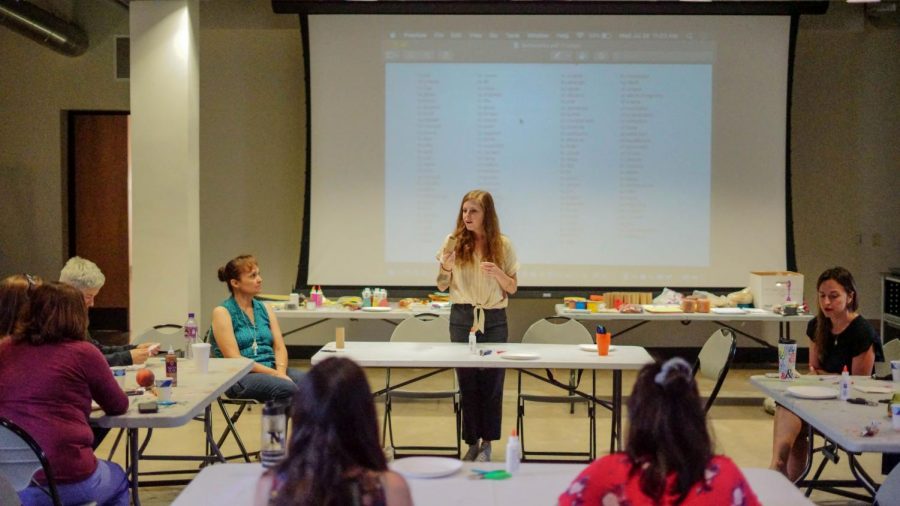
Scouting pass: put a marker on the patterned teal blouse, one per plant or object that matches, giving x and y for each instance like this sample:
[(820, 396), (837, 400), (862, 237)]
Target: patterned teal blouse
[(247, 333)]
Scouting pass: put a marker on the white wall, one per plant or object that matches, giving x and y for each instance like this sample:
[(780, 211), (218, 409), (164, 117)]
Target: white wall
[(165, 245)]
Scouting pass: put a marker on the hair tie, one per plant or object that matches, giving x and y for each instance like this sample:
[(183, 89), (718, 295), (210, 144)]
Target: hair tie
[(676, 363)]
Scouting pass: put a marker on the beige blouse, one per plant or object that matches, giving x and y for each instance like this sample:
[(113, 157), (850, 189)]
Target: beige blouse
[(468, 285)]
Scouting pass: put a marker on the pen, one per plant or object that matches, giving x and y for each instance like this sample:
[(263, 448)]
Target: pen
[(324, 350)]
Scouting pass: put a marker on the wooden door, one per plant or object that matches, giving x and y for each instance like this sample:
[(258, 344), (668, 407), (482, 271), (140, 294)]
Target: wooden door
[(98, 208)]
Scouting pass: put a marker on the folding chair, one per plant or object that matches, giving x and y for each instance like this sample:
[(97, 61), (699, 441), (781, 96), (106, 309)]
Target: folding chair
[(714, 361), (231, 418), (21, 457), (545, 331), (423, 328)]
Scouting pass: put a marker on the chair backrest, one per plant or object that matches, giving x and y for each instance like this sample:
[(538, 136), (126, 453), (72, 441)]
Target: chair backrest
[(889, 491), (422, 328), (545, 331), (21, 457), (8, 494), (714, 360), (891, 350), (166, 334)]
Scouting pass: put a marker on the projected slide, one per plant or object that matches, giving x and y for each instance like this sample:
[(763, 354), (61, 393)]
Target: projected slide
[(639, 151), (594, 150)]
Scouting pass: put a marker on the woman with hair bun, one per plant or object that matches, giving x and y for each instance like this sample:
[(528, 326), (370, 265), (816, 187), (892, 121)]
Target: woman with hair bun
[(668, 456), (244, 327)]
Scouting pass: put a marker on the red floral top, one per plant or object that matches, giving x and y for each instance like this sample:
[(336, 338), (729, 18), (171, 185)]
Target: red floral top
[(606, 482)]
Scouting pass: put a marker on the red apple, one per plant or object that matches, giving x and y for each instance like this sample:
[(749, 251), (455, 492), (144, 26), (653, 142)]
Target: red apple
[(145, 378)]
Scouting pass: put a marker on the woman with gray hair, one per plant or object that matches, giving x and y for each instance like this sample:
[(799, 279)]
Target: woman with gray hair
[(84, 275)]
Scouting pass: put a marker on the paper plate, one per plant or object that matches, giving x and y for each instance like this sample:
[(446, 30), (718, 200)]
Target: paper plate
[(810, 392), (520, 356), (426, 467), (376, 309), (593, 348)]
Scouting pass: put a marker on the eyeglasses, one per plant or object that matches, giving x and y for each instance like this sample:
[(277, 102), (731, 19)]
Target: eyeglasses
[(31, 281)]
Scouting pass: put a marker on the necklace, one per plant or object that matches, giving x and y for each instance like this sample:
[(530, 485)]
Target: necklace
[(253, 326)]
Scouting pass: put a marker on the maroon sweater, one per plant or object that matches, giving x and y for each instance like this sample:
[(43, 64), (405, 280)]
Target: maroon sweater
[(47, 390)]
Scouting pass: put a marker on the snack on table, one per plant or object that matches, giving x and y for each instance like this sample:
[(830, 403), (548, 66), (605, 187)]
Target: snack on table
[(411, 301), (439, 297)]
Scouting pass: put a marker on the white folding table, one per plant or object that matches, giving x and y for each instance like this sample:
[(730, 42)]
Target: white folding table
[(841, 423), (442, 356), (726, 320), (194, 395), (325, 314), (534, 484)]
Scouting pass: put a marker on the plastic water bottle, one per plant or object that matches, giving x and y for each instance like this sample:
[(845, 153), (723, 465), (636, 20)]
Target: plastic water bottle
[(513, 453), (190, 336), (367, 297), (473, 342), (272, 442), (845, 384)]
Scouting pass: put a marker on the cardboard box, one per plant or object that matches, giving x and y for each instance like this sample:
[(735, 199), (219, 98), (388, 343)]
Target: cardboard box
[(771, 288)]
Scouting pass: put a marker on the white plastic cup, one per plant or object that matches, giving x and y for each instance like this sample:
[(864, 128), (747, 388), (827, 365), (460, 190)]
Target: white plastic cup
[(895, 369), (119, 374), (201, 356), (165, 394), (895, 416)]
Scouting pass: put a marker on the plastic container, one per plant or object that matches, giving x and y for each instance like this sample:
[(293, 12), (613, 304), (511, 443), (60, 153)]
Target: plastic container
[(367, 297), (272, 438), (473, 342), (190, 336), (845, 384), (513, 453), (172, 366)]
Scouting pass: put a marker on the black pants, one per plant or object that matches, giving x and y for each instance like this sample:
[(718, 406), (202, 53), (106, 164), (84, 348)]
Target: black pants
[(481, 389)]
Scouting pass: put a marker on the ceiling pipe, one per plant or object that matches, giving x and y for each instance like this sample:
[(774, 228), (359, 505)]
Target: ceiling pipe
[(43, 27)]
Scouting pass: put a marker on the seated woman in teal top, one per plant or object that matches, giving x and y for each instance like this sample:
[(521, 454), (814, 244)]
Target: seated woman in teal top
[(244, 327)]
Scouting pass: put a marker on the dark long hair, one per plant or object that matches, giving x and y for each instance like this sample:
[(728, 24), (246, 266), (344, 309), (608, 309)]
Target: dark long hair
[(667, 430), (56, 313), (841, 276), (14, 294), (493, 244), (335, 434)]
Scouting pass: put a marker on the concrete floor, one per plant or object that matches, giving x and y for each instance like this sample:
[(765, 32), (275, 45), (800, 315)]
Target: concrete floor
[(740, 427)]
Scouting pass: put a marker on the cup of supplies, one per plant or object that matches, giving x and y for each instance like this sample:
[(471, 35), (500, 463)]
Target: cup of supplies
[(787, 360), (603, 340)]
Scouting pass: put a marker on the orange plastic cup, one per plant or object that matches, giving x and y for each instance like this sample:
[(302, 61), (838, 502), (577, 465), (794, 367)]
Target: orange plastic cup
[(603, 344)]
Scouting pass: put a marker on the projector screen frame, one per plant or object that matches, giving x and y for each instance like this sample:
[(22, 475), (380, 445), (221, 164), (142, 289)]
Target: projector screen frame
[(306, 8)]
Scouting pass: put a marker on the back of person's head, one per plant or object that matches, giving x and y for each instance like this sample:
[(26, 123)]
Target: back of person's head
[(56, 314), (14, 293), (235, 267), (82, 274), (667, 430), (334, 432)]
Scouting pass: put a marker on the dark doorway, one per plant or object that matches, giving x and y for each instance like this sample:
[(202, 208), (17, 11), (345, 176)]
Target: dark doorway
[(98, 189)]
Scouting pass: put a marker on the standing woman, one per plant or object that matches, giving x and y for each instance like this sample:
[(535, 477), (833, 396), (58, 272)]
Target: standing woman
[(244, 327), (478, 265), (839, 337)]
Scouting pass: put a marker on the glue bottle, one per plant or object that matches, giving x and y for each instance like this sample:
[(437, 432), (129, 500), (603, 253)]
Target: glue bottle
[(473, 342), (845, 384), (513, 449)]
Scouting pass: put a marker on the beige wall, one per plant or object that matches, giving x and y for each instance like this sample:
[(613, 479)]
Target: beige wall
[(252, 150), (37, 85)]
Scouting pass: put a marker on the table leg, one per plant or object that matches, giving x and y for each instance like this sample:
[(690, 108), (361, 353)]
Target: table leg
[(212, 449), (616, 433), (862, 476), (134, 453)]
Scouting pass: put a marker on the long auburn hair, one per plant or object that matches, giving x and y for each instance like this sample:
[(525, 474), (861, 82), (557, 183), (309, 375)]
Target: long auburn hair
[(56, 314), (667, 430), (14, 294), (465, 240), (335, 436), (842, 276)]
